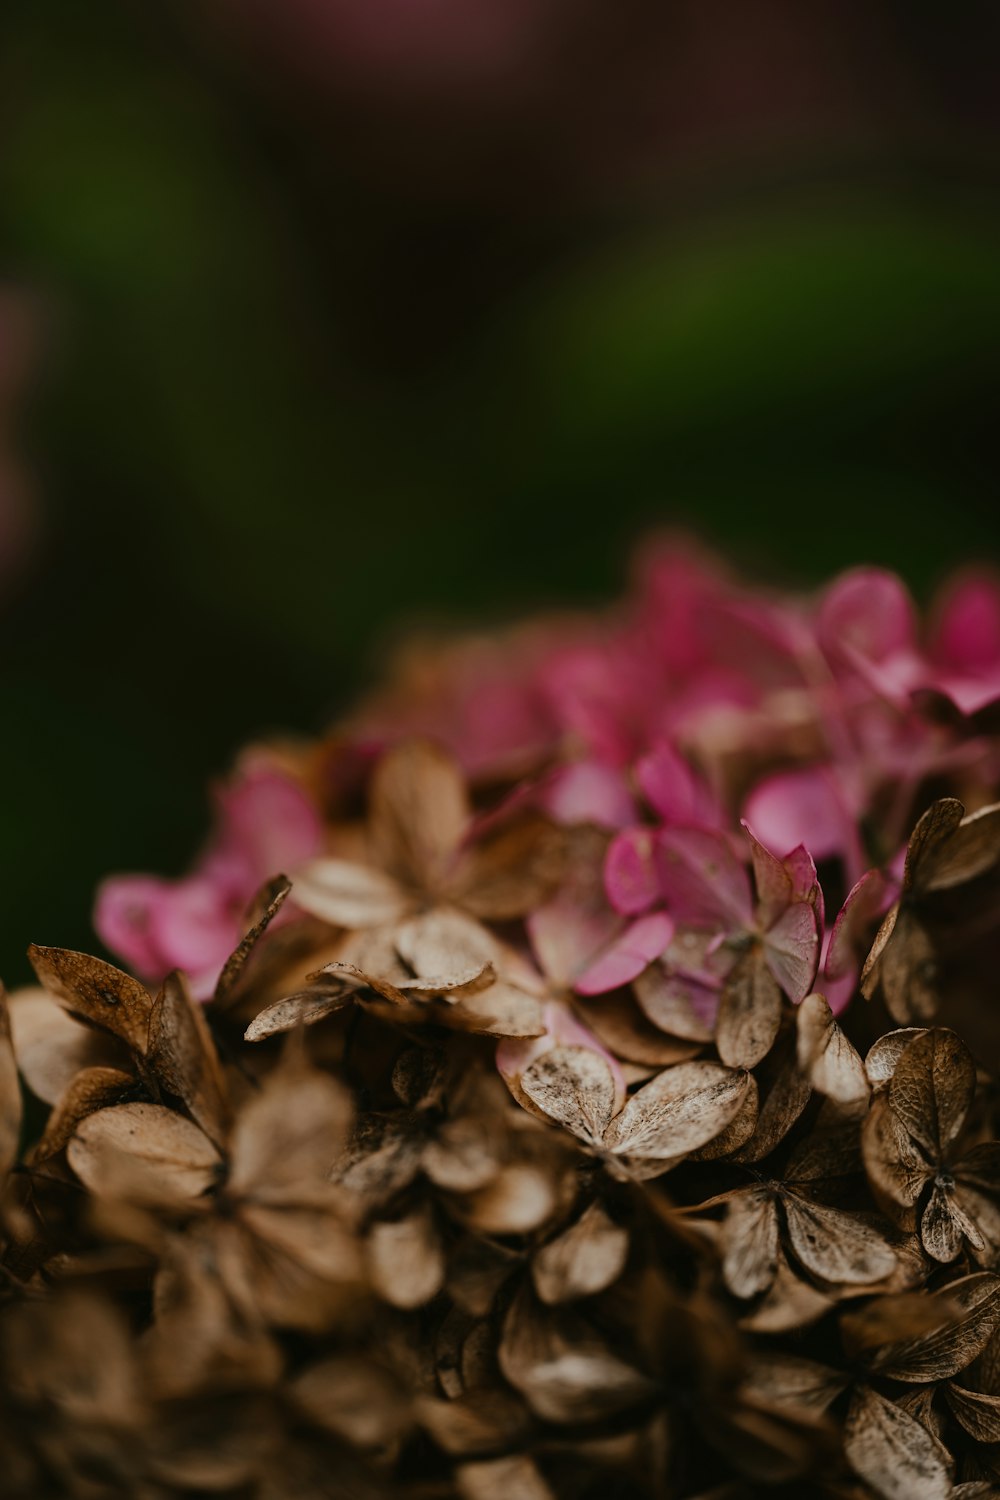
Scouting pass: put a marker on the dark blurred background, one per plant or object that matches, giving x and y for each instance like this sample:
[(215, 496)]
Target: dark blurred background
[(349, 312)]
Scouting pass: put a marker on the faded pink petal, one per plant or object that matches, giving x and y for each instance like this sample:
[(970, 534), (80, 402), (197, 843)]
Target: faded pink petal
[(628, 955), (672, 788), (702, 882), (791, 950), (775, 890), (588, 792), (806, 807), (630, 875), (868, 613), (965, 636)]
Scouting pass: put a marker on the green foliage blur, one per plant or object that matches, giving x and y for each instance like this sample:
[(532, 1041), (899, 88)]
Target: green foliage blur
[(290, 396)]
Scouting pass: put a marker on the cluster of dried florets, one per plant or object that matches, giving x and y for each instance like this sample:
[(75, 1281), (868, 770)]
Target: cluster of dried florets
[(532, 1135)]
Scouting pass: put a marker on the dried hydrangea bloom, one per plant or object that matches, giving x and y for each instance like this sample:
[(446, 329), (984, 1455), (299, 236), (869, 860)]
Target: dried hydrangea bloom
[(550, 1144)]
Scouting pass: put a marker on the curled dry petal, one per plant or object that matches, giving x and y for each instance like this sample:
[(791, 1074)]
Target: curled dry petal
[(826, 1057), (96, 991)]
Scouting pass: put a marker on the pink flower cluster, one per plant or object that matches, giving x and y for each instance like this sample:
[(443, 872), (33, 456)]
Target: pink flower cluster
[(822, 724)]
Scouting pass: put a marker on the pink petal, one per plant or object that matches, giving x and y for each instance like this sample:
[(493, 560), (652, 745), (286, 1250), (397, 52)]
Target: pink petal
[(638, 945), (965, 636), (268, 822), (804, 807), (630, 876), (869, 613), (124, 923), (589, 792), (701, 880), (672, 789), (868, 898), (791, 950)]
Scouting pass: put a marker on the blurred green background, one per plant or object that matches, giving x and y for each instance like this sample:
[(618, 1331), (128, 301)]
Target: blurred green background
[(333, 334)]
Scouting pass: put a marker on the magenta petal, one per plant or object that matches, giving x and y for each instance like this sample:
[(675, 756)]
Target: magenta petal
[(123, 920), (868, 898), (638, 945), (802, 807), (589, 792), (269, 823), (791, 949), (630, 877), (868, 612), (672, 789), (966, 634), (701, 880)]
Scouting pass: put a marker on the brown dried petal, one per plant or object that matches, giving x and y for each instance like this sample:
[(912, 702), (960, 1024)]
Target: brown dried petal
[(907, 972), (181, 1056), (940, 1227), (739, 1130), (893, 1319), (565, 1372), (896, 1169), (971, 850), (884, 1054), (513, 870), (349, 895), (827, 1058), (263, 909), (406, 1259), (790, 1304), (144, 1154), (749, 1242), (443, 940), (933, 832), (974, 1307), (516, 1478), (893, 1453), (91, 1090), (932, 1088), (502, 1010), (665, 998), (574, 1086), (786, 1099), (302, 1009), (681, 1109), (97, 991), (477, 1422), (519, 1200), (581, 1261), (287, 1138), (418, 812), (353, 1398), (749, 1012), (836, 1246), (979, 1414), (617, 1021), (786, 1380), (51, 1046)]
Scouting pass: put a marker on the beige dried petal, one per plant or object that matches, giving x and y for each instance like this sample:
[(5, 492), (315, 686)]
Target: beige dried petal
[(51, 1046), (884, 1054), (263, 909), (562, 1368), (749, 1012), (305, 1008), (519, 1200), (406, 1259), (893, 1453), (581, 1261), (827, 1058), (621, 1026), (349, 895), (418, 812), (476, 1422), (977, 1412), (503, 1010), (512, 870), (575, 1087), (309, 1235), (681, 1109), (737, 1133), (749, 1242), (667, 1005), (908, 972), (837, 1246), (932, 1088), (465, 1154), (97, 991), (789, 1305), (353, 1398), (10, 1094), (516, 1478), (442, 940), (288, 1136), (940, 1227), (90, 1090), (973, 1304), (144, 1154), (181, 1056), (290, 1268), (871, 969)]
